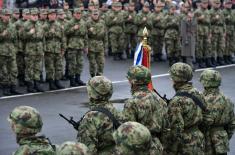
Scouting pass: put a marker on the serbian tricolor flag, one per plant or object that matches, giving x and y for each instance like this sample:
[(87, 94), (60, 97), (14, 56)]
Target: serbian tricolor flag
[(142, 57)]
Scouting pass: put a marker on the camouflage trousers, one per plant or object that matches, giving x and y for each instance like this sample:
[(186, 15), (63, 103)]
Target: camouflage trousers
[(96, 62), (117, 41), (54, 65), (33, 67), (202, 47), (20, 63), (8, 70), (157, 44), (130, 41), (75, 61), (172, 47), (217, 45), (229, 45)]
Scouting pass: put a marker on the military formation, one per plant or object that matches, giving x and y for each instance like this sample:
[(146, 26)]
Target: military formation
[(190, 123)]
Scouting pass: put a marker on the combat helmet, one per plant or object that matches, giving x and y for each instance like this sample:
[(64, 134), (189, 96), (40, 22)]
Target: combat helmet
[(181, 72), (72, 148), (210, 78), (25, 120), (139, 75), (133, 135), (99, 88)]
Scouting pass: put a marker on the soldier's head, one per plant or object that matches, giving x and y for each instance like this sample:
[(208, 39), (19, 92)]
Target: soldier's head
[(180, 73), (160, 5), (99, 88), (104, 7), (34, 14), (146, 7), (72, 148), (126, 6), (204, 4), (81, 6), (66, 5), (116, 6), (210, 78), (91, 6), (132, 138), (60, 14), (43, 14), (131, 6), (52, 15), (172, 8), (228, 4), (187, 7), (77, 14), (216, 4), (6, 15), (95, 15), (25, 120), (26, 14), (16, 13)]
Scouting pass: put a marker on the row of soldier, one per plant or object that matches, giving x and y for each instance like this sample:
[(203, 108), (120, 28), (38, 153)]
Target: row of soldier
[(191, 123), (69, 35)]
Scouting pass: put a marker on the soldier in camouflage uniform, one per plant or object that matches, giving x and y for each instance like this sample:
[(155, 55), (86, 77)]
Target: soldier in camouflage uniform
[(220, 116), (96, 127), (115, 21), (68, 13), (133, 138), (26, 122), (203, 49), (54, 50), (145, 107), (157, 33), (217, 32), (172, 36), (76, 31), (96, 43), (8, 67), (229, 16), (184, 114), (72, 148), (32, 34)]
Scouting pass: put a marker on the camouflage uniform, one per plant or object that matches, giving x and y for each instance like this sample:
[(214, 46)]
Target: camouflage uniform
[(77, 42), (96, 128), (114, 21), (72, 148), (184, 114), (8, 67), (54, 48), (96, 44), (217, 33), (172, 36), (26, 122), (145, 107), (220, 116), (133, 138)]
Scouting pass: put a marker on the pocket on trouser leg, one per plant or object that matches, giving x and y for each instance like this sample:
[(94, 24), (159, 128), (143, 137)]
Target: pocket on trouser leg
[(220, 141)]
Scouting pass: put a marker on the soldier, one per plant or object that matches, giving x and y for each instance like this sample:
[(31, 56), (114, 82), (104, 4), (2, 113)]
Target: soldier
[(143, 20), (133, 138), (203, 49), (76, 31), (220, 113), (72, 148), (157, 33), (68, 13), (8, 67), (145, 107), (32, 34), (217, 32), (98, 124), (26, 122), (185, 113), (114, 21), (172, 36), (96, 43), (229, 15), (54, 50)]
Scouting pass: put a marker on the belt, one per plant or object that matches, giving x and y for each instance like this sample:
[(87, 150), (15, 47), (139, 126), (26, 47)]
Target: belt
[(217, 24)]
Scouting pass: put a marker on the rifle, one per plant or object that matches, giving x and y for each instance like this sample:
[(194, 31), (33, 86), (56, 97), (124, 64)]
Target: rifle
[(71, 121), (162, 97)]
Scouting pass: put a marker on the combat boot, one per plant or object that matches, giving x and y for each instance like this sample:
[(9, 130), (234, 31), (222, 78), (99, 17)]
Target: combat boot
[(115, 56), (38, 87), (30, 88), (209, 63), (120, 56), (213, 61), (155, 58), (170, 62), (6, 90), (230, 59), (92, 75), (226, 60), (201, 63), (72, 82), (220, 61), (58, 84), (21, 80), (52, 84), (79, 81), (159, 57), (14, 91)]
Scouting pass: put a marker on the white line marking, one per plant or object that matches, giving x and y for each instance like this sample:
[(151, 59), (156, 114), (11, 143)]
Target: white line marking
[(114, 82)]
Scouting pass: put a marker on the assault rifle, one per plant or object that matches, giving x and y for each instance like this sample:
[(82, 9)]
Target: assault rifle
[(162, 97), (71, 121)]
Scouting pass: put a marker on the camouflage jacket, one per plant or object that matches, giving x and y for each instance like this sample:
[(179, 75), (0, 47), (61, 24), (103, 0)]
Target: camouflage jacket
[(171, 23), (18, 42), (115, 21), (8, 35), (34, 145), (158, 23), (130, 26), (203, 20), (217, 21), (96, 129), (229, 16), (54, 37), (97, 36), (141, 23), (76, 38)]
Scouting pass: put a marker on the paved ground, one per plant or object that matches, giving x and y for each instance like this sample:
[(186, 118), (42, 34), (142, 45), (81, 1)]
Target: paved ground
[(73, 102)]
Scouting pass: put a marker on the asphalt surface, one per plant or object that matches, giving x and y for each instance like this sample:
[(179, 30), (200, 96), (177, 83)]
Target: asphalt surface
[(74, 102)]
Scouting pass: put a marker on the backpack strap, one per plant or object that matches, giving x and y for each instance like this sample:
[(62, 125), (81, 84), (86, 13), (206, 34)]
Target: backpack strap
[(105, 111), (193, 97)]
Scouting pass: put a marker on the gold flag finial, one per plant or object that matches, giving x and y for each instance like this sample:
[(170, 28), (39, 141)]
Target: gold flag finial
[(145, 36)]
